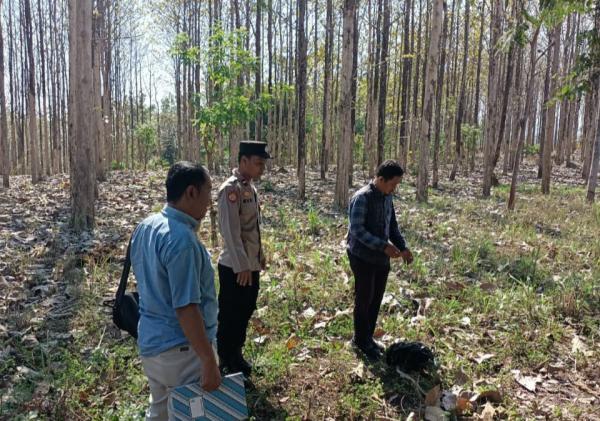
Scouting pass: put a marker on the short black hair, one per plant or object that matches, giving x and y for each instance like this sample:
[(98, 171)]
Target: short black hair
[(183, 174), (389, 169)]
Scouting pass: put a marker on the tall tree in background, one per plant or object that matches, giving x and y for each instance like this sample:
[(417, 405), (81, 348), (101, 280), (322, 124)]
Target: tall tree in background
[(257, 80), (592, 181), (83, 157), (31, 97), (523, 119), (551, 116), (594, 55), (406, 72), (344, 158), (438, 102), (4, 146), (383, 77), (461, 99), (430, 83), (326, 132), (492, 97), (301, 97)]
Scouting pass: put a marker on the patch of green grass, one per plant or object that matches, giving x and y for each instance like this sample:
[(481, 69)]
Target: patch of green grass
[(473, 259), (525, 269)]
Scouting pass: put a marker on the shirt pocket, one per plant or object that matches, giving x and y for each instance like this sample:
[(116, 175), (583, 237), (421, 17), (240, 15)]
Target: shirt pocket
[(248, 213)]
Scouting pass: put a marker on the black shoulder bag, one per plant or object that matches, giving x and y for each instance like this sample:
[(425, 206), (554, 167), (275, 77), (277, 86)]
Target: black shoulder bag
[(125, 312)]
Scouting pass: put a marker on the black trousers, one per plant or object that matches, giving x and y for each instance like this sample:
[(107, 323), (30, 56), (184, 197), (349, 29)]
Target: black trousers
[(369, 286), (236, 305)]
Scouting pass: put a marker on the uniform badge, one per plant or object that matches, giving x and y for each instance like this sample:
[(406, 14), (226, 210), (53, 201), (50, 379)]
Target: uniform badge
[(247, 195), (232, 196)]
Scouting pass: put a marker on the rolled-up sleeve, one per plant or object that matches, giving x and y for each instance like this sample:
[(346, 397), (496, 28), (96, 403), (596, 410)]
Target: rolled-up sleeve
[(358, 217)]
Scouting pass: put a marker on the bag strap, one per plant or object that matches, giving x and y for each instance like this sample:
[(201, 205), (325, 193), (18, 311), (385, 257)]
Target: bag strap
[(124, 274)]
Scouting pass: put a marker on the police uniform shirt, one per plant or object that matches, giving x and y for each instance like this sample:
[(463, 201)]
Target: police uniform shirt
[(239, 216)]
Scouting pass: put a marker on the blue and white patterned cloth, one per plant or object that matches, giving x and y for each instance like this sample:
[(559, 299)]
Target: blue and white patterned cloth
[(192, 403)]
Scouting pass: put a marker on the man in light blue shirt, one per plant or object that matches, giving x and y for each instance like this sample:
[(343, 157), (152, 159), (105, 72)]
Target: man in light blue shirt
[(175, 280)]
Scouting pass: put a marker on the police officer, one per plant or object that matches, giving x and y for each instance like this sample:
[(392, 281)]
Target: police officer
[(242, 257)]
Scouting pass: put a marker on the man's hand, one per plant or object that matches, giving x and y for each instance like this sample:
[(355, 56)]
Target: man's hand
[(211, 376), (407, 256), (392, 251), (244, 278)]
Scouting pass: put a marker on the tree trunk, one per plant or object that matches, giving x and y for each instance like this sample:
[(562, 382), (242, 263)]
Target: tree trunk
[(406, 73), (477, 99), (430, 80), (593, 176), (586, 138), (416, 122), (461, 100), (4, 145), (438, 102), (523, 120), (107, 119), (347, 138), (301, 95), (31, 109), (372, 119), (257, 81), (383, 72), (493, 78), (595, 82), (83, 159), (550, 122), (97, 54), (544, 110), (325, 135)]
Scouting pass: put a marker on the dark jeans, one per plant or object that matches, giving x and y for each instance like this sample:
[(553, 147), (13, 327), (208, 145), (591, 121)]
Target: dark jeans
[(236, 305), (369, 285)]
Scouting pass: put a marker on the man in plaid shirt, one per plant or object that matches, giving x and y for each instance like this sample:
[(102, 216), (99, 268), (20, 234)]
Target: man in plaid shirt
[(373, 238)]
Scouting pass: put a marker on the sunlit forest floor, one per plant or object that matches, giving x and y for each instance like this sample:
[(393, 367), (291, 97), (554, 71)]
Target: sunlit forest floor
[(509, 302)]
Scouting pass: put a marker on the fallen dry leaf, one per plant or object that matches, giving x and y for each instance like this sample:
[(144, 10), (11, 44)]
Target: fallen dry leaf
[(483, 357), (488, 412), (292, 342), (463, 406), (579, 347), (261, 339), (379, 332), (488, 286), (433, 396), (309, 313), (528, 382), (359, 370)]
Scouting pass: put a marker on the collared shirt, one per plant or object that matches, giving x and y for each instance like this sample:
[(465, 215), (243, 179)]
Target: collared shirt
[(372, 225), (173, 269), (239, 223)]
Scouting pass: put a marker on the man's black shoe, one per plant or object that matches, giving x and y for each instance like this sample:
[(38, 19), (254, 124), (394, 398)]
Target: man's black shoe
[(242, 365), (369, 350)]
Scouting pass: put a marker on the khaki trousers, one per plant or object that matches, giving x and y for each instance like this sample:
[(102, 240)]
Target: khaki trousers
[(175, 367)]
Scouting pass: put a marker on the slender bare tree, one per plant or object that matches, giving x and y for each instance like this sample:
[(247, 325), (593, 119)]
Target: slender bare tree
[(83, 156)]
